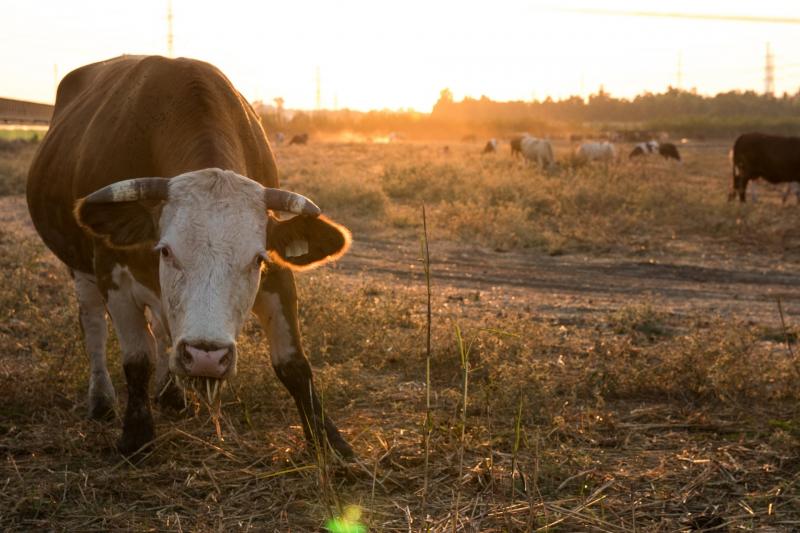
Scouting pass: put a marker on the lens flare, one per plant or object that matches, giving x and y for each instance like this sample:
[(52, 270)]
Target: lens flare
[(348, 523)]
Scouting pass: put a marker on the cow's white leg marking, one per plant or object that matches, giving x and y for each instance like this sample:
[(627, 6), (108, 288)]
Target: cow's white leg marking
[(282, 344), (102, 397), (138, 349), (127, 314), (162, 346), (167, 392), (276, 308)]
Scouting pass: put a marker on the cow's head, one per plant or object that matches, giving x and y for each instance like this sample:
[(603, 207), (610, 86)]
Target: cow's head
[(213, 233)]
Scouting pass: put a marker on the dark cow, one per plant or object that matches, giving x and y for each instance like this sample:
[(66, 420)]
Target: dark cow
[(516, 146), (669, 151), (156, 187), (300, 138), (774, 158)]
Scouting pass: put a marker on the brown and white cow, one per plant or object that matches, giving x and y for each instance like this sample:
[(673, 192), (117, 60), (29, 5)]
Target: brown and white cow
[(157, 187)]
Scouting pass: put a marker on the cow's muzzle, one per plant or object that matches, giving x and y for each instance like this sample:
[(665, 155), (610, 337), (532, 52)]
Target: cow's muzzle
[(205, 359)]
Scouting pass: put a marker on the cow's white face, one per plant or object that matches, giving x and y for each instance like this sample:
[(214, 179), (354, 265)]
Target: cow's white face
[(213, 234), (212, 246)]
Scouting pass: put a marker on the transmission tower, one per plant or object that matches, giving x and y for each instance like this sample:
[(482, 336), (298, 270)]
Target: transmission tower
[(769, 72), (319, 90), (169, 29)]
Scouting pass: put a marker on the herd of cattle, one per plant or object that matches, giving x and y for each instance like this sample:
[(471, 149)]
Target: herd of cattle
[(157, 188), (540, 151), (773, 158)]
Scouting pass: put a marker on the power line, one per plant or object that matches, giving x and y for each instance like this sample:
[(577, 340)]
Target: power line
[(690, 16), (319, 90)]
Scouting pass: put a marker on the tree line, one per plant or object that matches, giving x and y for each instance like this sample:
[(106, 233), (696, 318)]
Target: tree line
[(678, 112)]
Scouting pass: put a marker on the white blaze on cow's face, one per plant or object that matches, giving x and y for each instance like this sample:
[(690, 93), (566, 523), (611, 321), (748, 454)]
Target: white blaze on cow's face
[(212, 247)]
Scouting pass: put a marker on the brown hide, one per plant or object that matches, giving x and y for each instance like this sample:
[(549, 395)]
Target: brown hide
[(136, 116)]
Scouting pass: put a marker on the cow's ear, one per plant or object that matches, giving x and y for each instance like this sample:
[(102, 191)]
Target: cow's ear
[(120, 224), (303, 242)]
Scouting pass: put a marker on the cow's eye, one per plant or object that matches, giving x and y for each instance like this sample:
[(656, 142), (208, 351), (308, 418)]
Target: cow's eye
[(164, 250)]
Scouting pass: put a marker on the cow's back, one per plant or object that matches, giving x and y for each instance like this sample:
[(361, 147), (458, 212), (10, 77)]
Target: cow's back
[(137, 116), (773, 157)]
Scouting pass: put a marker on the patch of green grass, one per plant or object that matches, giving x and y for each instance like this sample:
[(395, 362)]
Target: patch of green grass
[(22, 134)]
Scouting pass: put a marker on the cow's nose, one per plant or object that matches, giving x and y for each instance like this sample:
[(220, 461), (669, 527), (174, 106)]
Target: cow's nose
[(202, 359)]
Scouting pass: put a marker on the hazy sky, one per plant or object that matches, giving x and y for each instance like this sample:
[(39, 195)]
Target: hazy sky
[(380, 54)]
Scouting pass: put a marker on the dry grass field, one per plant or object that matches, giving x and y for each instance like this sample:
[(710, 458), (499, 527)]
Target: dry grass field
[(613, 349)]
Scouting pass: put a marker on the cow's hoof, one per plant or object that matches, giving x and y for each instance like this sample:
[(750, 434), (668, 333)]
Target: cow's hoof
[(101, 408), (138, 431), (134, 445), (171, 398), (102, 399), (342, 448), (337, 442)]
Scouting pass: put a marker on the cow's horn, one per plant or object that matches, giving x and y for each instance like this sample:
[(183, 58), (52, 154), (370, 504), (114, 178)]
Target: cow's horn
[(291, 202), (131, 190)]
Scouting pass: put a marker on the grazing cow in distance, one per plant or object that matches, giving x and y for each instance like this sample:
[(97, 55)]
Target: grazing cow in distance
[(538, 151), (665, 150), (491, 147), (300, 138), (774, 158), (644, 148), (596, 151), (516, 146), (669, 151), (156, 186)]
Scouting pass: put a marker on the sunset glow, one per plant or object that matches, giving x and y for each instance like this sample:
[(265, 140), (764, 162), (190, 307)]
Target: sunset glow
[(374, 55)]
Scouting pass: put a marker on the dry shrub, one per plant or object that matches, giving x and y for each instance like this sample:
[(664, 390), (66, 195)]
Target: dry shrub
[(500, 226), (349, 198), (723, 362)]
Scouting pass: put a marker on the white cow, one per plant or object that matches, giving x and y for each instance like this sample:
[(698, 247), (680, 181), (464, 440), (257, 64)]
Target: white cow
[(596, 151), (537, 150)]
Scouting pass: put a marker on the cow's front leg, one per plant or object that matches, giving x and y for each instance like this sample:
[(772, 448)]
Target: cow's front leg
[(92, 308), (276, 308), (168, 394), (138, 346)]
